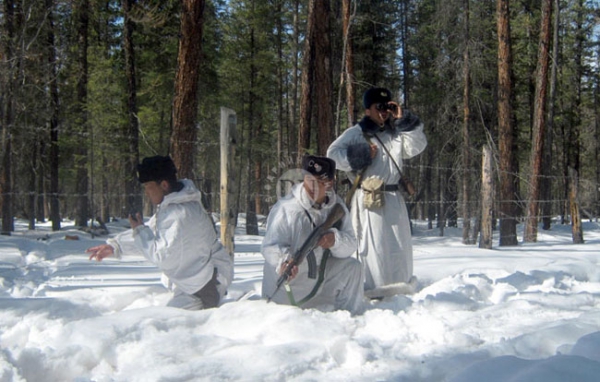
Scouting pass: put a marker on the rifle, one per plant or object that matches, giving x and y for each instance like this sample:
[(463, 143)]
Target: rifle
[(336, 213)]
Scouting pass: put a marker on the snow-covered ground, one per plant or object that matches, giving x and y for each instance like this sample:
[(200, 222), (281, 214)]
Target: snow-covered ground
[(524, 313)]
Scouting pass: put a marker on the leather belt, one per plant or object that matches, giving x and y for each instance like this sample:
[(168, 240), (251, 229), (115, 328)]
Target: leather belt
[(390, 187)]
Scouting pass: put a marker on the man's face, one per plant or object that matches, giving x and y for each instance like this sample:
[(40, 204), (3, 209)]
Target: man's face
[(156, 191), (378, 116), (317, 188)]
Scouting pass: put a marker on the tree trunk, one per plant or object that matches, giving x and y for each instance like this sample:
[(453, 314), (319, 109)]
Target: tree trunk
[(251, 220), (40, 184), (258, 170), (308, 60), (597, 138), (316, 69), (323, 77), (280, 88), (185, 102), (508, 223), (132, 187), (429, 189), (7, 114), (466, 147), (81, 161), (573, 152), (30, 201), (539, 123), (228, 141), (347, 75), (487, 197), (293, 134), (576, 230), (253, 196), (54, 114), (442, 206), (406, 66), (104, 199), (546, 184)]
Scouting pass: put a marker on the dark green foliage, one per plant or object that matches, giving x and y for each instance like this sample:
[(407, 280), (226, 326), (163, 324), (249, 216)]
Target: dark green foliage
[(415, 48)]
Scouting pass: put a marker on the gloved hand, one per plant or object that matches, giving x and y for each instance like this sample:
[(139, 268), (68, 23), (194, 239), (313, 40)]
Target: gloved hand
[(408, 122)]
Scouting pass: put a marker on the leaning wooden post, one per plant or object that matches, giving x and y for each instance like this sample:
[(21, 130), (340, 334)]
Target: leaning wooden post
[(228, 210), (487, 191)]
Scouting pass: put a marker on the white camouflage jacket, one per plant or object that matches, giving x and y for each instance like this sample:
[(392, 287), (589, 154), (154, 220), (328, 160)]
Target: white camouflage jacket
[(181, 240), (288, 227)]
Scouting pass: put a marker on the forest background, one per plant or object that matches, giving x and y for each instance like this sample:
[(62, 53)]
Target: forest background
[(88, 87)]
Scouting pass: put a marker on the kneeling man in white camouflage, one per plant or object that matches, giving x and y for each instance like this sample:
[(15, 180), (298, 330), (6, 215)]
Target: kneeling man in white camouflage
[(328, 278), (180, 239)]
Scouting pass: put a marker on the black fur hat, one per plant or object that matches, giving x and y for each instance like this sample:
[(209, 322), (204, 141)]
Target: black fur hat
[(157, 168), (376, 95), (359, 155), (321, 167)]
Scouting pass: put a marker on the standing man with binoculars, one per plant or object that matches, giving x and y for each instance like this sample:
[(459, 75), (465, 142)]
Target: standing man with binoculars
[(371, 153)]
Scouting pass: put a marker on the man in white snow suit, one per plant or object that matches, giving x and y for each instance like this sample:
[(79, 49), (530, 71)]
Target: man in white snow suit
[(375, 149), (179, 238), (329, 278)]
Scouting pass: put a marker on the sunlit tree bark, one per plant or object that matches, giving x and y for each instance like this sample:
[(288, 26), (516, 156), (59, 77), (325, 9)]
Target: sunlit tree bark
[(507, 208), (185, 102), (539, 123)]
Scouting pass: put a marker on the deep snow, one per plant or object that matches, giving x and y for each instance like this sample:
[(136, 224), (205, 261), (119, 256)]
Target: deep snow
[(524, 313)]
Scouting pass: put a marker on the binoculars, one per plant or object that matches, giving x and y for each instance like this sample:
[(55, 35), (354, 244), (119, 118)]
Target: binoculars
[(386, 106)]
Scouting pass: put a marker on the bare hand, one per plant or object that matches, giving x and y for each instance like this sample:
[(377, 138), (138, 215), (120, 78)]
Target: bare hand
[(293, 273), (397, 111), (135, 220), (374, 149), (99, 252), (327, 241)]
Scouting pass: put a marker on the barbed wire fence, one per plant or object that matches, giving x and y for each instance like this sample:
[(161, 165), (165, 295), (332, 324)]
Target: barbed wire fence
[(275, 188), (420, 209)]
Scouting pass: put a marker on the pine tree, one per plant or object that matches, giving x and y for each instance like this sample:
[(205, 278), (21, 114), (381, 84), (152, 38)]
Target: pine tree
[(539, 123), (508, 223)]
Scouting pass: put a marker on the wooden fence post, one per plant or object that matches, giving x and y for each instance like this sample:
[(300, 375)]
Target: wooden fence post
[(487, 192), (228, 210)]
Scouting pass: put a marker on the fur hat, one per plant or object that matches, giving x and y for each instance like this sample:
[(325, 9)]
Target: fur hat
[(157, 168), (376, 95), (320, 167), (359, 155)]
